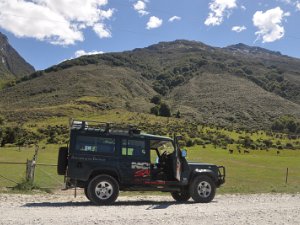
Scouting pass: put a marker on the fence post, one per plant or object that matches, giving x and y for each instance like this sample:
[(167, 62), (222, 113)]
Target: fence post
[(30, 168), (286, 175)]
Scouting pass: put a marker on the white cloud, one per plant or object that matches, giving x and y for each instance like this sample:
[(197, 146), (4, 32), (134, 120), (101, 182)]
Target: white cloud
[(154, 22), (219, 9), (173, 18), (238, 29), (59, 22), (269, 24), (82, 52), (243, 7), (101, 30), (298, 6), (140, 7)]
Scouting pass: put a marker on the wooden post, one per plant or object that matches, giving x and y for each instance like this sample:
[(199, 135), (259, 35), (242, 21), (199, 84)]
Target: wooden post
[(286, 175), (30, 168)]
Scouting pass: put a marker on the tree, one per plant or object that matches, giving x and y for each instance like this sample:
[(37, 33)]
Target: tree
[(156, 100), (164, 110), (178, 114)]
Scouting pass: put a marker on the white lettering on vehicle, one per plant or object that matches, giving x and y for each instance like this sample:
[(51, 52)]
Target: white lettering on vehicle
[(140, 165)]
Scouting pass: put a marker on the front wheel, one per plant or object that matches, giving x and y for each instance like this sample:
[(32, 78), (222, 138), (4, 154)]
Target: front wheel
[(181, 196), (103, 189), (203, 189), (86, 193)]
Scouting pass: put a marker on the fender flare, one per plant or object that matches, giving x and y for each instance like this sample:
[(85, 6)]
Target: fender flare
[(206, 172), (107, 170)]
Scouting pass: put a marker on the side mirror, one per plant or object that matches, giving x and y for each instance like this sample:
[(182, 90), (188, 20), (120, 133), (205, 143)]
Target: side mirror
[(183, 153)]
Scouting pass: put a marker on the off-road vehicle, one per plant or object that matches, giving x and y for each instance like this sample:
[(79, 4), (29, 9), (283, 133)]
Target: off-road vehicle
[(105, 158)]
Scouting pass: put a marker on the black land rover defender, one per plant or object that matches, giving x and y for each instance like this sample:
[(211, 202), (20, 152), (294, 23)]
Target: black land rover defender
[(104, 158)]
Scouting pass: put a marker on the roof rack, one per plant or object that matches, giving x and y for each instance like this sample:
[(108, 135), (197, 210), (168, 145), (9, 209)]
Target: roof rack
[(104, 127)]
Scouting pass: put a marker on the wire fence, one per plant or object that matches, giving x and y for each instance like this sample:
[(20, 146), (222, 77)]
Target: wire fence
[(14, 173)]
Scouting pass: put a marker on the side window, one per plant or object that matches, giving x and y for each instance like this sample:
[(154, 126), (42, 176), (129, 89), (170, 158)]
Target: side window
[(133, 148), (95, 144)]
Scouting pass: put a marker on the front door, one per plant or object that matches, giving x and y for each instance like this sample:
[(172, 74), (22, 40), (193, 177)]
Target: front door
[(176, 160)]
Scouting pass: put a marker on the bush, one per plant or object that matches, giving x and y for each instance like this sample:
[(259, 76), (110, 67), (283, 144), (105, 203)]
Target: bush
[(289, 146), (155, 110), (25, 186), (190, 143), (286, 123), (178, 114)]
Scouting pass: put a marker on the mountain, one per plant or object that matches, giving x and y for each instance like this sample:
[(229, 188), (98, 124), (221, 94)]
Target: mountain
[(238, 86), (12, 65)]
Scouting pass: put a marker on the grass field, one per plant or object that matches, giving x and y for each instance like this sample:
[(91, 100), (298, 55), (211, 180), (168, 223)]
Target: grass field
[(257, 172)]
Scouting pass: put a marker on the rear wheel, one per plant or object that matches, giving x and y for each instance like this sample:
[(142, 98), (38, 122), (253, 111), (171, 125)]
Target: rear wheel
[(181, 196), (203, 189), (103, 189)]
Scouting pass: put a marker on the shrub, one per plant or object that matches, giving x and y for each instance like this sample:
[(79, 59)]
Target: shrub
[(178, 114), (190, 143), (155, 110)]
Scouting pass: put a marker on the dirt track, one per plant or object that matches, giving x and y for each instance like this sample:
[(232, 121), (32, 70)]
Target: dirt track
[(225, 209)]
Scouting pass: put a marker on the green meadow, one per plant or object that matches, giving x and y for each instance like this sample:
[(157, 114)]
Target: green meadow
[(259, 171)]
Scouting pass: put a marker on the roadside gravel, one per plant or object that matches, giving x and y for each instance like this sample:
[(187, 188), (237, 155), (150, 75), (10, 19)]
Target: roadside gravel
[(63, 208)]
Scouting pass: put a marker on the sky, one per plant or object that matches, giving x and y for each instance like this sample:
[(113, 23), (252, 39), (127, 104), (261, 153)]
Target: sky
[(47, 32)]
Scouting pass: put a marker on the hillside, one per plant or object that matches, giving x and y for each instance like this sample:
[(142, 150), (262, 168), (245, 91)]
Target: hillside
[(238, 86), (12, 65)]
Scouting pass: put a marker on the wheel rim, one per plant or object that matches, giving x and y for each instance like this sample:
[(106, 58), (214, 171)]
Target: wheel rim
[(204, 189), (104, 190)]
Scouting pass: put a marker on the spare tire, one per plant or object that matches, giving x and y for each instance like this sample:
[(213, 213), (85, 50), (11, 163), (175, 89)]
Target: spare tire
[(62, 160)]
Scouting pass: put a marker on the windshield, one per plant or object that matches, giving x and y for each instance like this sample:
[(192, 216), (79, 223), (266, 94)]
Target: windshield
[(162, 146)]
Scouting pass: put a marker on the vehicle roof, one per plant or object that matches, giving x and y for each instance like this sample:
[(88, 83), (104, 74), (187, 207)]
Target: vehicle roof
[(152, 136), (91, 131)]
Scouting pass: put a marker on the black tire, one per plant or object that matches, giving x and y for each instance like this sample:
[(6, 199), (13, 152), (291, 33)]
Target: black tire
[(103, 190), (181, 196), (86, 193), (202, 189), (62, 161)]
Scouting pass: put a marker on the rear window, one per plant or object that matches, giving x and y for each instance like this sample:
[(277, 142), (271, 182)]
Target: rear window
[(95, 144)]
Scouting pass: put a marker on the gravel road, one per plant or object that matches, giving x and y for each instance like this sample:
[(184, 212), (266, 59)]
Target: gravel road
[(63, 208)]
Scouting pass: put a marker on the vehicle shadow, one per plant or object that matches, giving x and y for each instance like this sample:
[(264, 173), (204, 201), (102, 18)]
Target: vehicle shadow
[(151, 204)]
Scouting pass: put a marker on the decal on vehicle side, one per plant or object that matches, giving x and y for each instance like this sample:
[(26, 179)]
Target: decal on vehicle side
[(140, 165), (142, 173)]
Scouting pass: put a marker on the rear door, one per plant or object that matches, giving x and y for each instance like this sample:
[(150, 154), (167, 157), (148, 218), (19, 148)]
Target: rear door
[(134, 160)]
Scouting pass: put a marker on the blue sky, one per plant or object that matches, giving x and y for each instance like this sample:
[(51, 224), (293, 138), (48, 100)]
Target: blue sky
[(46, 32)]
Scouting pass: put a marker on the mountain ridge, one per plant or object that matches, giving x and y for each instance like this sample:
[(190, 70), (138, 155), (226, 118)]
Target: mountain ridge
[(12, 65), (206, 84)]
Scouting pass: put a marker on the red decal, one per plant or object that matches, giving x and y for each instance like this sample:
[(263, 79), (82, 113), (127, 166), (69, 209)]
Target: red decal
[(142, 173)]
